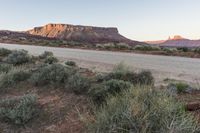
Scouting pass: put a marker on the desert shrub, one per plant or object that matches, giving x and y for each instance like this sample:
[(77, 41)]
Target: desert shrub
[(18, 57), (122, 72), (54, 74), (181, 87), (45, 54), (170, 50), (147, 48), (78, 84), (4, 68), (19, 110), (4, 52), (99, 46), (184, 49), (143, 110), (108, 46), (197, 50), (51, 60), (70, 63), (112, 87), (122, 46), (13, 77), (143, 78)]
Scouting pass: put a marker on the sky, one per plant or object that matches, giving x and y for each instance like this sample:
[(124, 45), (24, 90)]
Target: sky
[(136, 19)]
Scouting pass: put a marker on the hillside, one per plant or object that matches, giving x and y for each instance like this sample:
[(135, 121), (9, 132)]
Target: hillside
[(79, 33)]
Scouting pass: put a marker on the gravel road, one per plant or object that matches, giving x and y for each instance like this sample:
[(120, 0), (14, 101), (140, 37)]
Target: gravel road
[(179, 68)]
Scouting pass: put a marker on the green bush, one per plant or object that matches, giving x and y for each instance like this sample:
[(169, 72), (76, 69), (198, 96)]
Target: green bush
[(112, 87), (170, 50), (5, 68), (18, 57), (54, 74), (197, 50), (123, 73), (4, 52), (78, 84), (70, 63), (184, 49), (143, 110), (45, 55), (51, 60), (181, 87), (13, 77), (147, 48), (18, 111)]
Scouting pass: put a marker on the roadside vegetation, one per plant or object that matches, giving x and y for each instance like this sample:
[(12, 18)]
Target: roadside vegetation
[(41, 94)]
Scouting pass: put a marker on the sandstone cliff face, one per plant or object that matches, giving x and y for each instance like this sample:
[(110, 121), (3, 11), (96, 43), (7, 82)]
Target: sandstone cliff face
[(80, 33)]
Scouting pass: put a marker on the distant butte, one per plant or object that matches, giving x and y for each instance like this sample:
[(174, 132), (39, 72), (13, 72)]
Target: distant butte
[(81, 33)]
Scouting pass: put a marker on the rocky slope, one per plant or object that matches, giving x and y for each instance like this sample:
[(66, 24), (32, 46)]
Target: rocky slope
[(177, 41), (81, 33)]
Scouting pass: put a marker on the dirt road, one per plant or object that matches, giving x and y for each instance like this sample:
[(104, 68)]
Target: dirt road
[(179, 68)]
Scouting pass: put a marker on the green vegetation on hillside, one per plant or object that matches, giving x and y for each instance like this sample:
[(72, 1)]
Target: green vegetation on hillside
[(38, 92)]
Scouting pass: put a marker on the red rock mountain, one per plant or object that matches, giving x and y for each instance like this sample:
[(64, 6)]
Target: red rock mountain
[(81, 33), (176, 41)]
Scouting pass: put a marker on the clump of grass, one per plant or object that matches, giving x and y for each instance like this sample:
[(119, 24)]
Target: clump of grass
[(112, 87), (122, 72), (142, 109), (51, 60), (19, 110), (78, 84), (13, 77), (45, 54), (4, 52), (181, 87), (18, 57), (70, 63), (5, 68), (147, 48)]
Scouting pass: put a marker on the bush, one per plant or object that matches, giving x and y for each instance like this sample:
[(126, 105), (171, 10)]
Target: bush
[(78, 84), (45, 55), (170, 50), (18, 57), (5, 68), (4, 52), (13, 77), (51, 60), (122, 46), (143, 110), (122, 72), (181, 87), (70, 63), (184, 49), (112, 87), (147, 48), (18, 110), (54, 74), (197, 50)]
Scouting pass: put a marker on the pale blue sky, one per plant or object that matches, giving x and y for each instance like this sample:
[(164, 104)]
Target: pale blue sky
[(136, 19)]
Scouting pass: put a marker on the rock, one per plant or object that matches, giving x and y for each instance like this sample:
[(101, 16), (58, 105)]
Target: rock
[(172, 89), (81, 33), (193, 106)]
